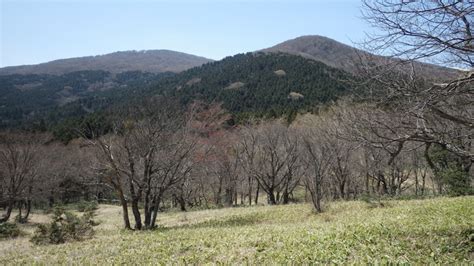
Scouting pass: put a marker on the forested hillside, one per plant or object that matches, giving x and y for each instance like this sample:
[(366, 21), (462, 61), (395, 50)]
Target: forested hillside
[(262, 84), (32, 98), (253, 84)]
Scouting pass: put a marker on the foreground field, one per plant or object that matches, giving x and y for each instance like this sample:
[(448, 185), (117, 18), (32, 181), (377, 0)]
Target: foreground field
[(418, 231)]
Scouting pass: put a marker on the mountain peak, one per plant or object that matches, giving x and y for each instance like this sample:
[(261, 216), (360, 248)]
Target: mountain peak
[(343, 56), (319, 48)]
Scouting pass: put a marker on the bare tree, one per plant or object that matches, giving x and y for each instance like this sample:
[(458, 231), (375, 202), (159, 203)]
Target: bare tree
[(269, 154), (148, 154), (224, 168), (218, 158), (317, 161), (67, 174), (437, 30), (19, 163), (422, 108)]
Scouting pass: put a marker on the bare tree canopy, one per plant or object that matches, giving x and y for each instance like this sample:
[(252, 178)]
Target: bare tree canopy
[(439, 30), (410, 107)]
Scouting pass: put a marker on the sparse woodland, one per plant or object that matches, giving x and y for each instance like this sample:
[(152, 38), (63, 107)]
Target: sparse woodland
[(398, 135)]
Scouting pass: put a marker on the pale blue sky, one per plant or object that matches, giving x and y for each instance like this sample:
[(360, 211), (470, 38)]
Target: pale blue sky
[(34, 31)]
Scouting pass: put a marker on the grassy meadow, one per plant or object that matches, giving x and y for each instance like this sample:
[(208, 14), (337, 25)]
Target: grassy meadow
[(439, 230)]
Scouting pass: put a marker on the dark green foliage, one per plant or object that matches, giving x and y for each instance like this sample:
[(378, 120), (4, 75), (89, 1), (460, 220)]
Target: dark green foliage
[(458, 181), (451, 171), (8, 230), (65, 227), (373, 201), (82, 127), (31, 100), (246, 84), (87, 206)]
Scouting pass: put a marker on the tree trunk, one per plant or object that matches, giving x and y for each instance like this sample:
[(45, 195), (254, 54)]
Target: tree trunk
[(423, 183), (316, 196), (317, 203), (286, 195), (28, 210), (8, 212), (235, 197), (182, 203), (123, 201), (136, 213), (217, 196), (20, 207), (416, 183), (149, 207), (342, 190), (250, 191), (228, 197), (367, 180), (156, 208), (256, 193), (271, 197), (24, 219)]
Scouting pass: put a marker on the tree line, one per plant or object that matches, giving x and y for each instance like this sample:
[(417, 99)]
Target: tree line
[(162, 155)]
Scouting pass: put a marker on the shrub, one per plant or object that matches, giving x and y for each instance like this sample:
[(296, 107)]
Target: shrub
[(88, 217), (65, 227), (9, 230), (372, 202), (458, 182), (84, 206)]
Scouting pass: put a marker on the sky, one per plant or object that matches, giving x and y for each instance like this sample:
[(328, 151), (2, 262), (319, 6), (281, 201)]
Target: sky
[(35, 31)]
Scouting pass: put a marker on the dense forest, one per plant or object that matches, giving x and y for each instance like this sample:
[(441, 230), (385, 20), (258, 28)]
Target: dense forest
[(248, 85), (28, 99), (258, 83)]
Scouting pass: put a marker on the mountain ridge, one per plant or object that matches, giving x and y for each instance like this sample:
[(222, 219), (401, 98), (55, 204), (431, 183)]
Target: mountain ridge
[(153, 61), (314, 47)]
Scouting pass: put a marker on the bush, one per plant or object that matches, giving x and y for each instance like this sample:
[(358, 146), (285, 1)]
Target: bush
[(372, 201), (84, 206), (9, 230), (88, 217), (65, 227), (458, 182)]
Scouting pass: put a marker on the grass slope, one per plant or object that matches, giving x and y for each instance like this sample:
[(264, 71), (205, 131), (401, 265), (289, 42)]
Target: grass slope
[(418, 231)]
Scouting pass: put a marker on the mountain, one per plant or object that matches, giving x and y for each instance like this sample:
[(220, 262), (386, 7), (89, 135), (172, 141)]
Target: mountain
[(295, 76), (259, 83), (252, 84), (345, 57), (247, 85), (154, 61)]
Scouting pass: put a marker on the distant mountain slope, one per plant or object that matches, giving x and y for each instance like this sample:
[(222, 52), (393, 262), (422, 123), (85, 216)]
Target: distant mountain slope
[(343, 56), (248, 85), (24, 98), (154, 61), (268, 85)]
